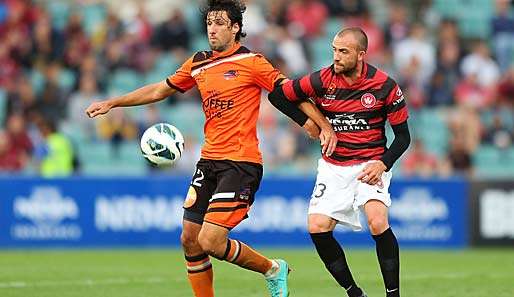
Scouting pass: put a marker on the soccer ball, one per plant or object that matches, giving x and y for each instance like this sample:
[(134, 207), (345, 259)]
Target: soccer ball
[(162, 144)]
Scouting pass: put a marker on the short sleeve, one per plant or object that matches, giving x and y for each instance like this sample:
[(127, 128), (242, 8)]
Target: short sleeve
[(396, 107), (182, 80), (306, 87), (265, 75)]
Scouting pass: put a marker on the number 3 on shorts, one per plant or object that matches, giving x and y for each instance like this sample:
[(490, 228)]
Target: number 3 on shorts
[(319, 190)]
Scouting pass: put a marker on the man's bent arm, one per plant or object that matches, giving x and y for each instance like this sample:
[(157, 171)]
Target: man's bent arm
[(399, 146), (148, 94), (290, 109)]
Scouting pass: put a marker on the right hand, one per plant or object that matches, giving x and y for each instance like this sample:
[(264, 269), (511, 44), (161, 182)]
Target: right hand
[(98, 108), (311, 129)]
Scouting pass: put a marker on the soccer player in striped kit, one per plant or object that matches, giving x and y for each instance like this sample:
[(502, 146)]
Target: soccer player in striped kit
[(357, 99)]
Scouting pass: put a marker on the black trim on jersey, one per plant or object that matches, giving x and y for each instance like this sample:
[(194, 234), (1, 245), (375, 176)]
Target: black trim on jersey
[(278, 82), (380, 94), (393, 108), (196, 258), (171, 85), (317, 83), (359, 146), (240, 50), (298, 90), (371, 71), (342, 158), (200, 56)]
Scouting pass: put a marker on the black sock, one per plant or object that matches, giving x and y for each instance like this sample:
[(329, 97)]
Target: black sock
[(389, 259), (333, 257)]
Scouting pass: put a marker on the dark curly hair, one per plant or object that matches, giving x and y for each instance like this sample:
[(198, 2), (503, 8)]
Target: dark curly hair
[(234, 9)]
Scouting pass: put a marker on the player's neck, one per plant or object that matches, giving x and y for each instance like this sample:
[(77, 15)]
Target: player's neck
[(227, 50), (355, 75)]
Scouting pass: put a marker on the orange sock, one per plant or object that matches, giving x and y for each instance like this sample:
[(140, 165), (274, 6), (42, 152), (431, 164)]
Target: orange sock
[(246, 257), (199, 272)]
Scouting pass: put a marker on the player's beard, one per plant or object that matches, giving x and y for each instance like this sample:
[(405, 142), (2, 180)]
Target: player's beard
[(350, 70)]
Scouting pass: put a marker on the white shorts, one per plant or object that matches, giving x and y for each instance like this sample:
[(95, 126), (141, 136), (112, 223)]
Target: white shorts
[(339, 195)]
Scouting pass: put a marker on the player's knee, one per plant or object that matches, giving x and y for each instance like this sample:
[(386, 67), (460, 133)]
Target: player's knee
[(377, 224), (319, 226), (188, 240), (211, 244)]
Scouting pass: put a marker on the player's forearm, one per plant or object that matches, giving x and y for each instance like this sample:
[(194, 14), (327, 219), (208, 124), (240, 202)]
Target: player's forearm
[(290, 109), (398, 147), (314, 114), (144, 95)]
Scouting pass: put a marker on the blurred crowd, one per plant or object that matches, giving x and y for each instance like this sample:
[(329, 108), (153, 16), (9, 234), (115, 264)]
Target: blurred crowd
[(57, 57)]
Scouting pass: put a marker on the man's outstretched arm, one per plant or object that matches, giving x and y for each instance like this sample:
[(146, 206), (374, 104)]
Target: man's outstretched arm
[(148, 94)]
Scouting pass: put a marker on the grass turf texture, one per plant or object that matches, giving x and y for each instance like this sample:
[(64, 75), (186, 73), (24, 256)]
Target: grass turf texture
[(156, 273)]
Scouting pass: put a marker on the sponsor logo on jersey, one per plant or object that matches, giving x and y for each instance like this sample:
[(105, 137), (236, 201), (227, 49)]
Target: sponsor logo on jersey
[(348, 122), (368, 100), (231, 74)]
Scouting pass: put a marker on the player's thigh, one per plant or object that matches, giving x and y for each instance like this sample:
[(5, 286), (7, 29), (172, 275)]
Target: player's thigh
[(234, 194), (376, 213), (203, 184), (333, 191), (379, 191)]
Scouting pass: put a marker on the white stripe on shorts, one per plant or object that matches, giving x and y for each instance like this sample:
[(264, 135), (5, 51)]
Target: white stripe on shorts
[(223, 195)]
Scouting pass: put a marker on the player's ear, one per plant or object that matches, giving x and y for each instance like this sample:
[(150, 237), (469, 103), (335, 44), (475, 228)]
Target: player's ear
[(235, 28)]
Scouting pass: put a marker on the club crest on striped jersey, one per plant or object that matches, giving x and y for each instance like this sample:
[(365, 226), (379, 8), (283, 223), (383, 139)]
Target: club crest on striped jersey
[(331, 91), (368, 100), (191, 197), (231, 74)]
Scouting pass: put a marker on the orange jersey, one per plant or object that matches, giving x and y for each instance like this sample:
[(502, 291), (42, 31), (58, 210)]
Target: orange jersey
[(230, 84)]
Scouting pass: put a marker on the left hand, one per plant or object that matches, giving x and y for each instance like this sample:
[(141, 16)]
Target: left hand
[(372, 173)]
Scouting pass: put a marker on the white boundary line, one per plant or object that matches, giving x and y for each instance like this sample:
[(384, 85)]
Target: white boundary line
[(82, 282)]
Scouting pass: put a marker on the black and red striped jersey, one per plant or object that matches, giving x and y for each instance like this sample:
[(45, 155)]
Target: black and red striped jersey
[(357, 112)]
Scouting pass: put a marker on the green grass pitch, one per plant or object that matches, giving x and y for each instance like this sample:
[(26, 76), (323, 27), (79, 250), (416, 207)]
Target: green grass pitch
[(160, 273)]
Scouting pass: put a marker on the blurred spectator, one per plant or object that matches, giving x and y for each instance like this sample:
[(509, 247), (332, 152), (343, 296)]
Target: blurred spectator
[(78, 44), (480, 64), (116, 127), (309, 15), (415, 57), (79, 101), (448, 32), (503, 34), (498, 134), (506, 89), (446, 75), (397, 28), (470, 92), (48, 41), (15, 145), (419, 162), (465, 125), (459, 158), (22, 98), (55, 154), (290, 49), (52, 103), (346, 8), (173, 33)]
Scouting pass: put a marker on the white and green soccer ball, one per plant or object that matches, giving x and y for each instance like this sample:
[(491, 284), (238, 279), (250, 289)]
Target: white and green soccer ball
[(162, 144)]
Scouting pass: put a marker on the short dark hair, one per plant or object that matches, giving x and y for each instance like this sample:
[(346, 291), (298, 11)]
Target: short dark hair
[(234, 9), (359, 34)]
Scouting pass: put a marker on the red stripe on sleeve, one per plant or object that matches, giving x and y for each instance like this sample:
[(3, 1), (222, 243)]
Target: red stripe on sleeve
[(289, 91)]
